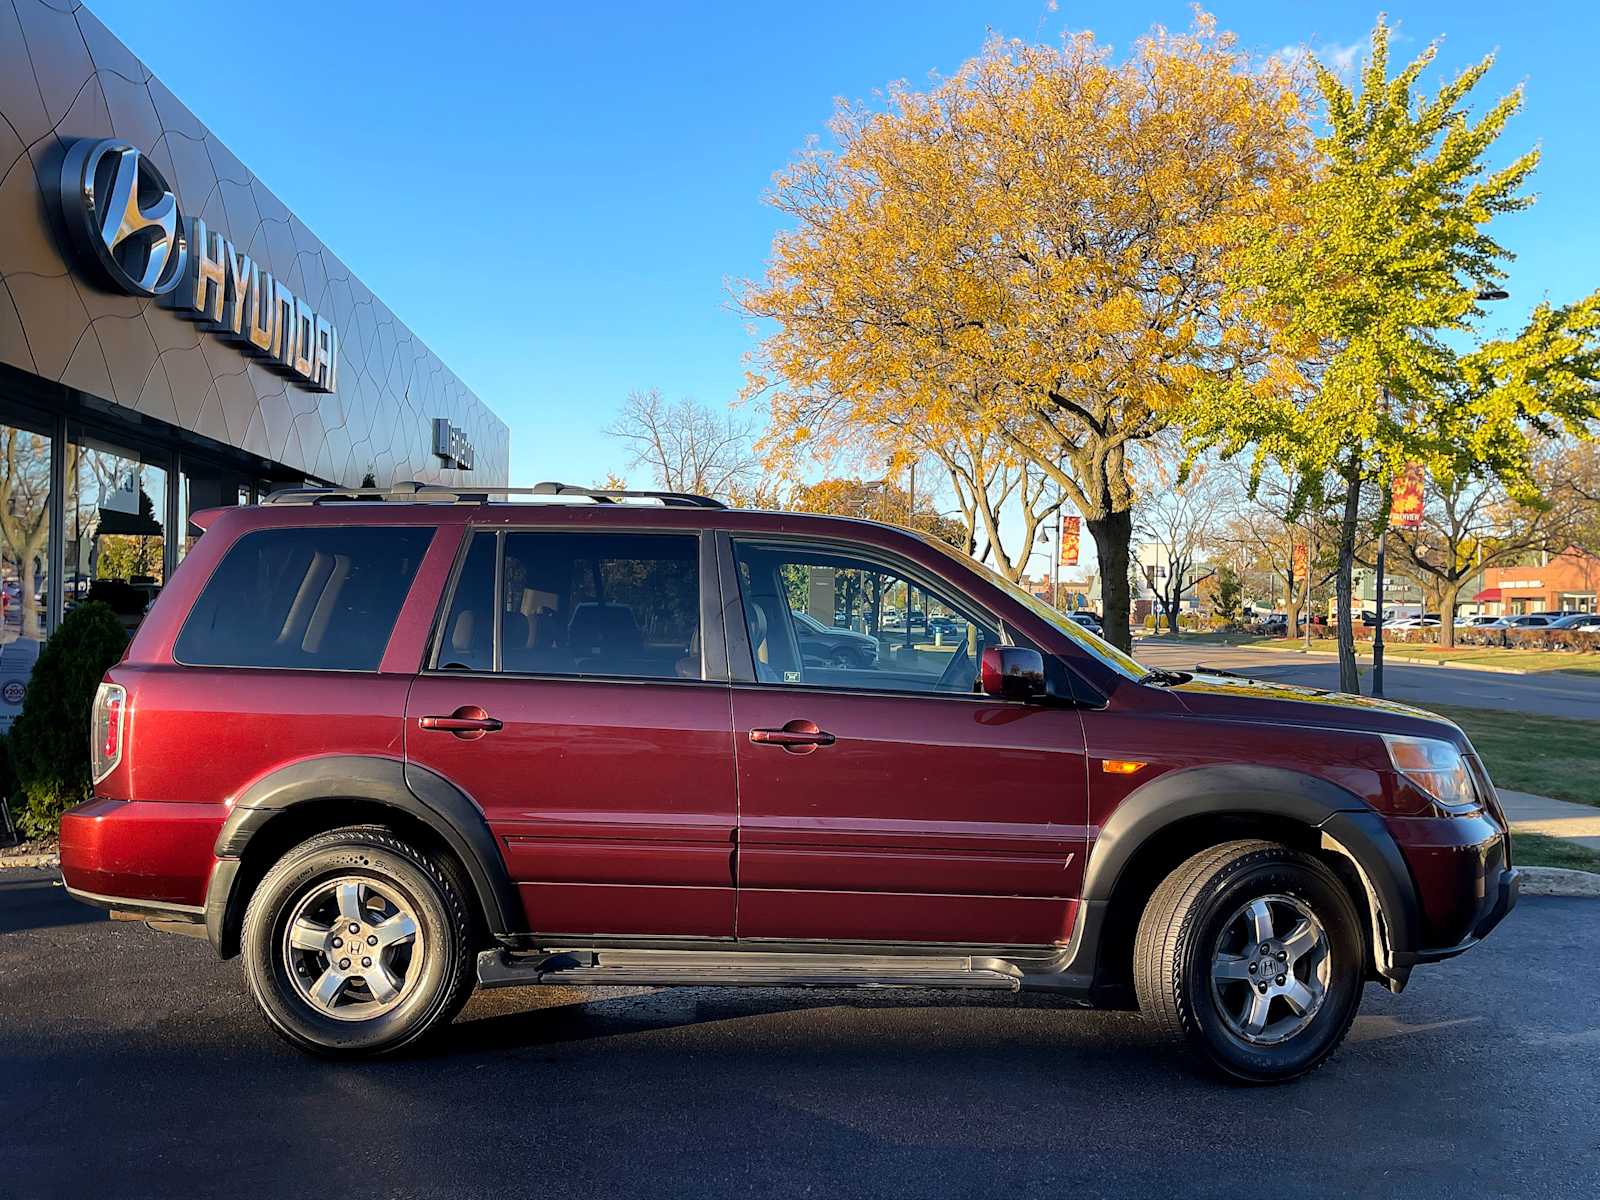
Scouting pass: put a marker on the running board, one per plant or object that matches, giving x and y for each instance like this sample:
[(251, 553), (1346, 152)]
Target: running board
[(692, 968)]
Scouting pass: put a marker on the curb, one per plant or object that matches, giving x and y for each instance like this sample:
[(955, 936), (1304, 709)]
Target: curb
[(1559, 881), (20, 862)]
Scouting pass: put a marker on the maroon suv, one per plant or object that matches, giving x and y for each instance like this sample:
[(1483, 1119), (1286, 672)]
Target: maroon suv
[(390, 745)]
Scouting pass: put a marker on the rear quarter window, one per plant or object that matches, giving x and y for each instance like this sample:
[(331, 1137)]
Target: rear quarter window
[(320, 598)]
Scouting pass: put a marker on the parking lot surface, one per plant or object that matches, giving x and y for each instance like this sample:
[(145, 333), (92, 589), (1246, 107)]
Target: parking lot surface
[(133, 1064)]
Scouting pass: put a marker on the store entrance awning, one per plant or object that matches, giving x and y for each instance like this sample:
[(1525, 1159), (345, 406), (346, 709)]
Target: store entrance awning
[(1487, 596)]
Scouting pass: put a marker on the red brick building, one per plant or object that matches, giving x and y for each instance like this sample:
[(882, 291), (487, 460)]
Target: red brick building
[(1565, 582)]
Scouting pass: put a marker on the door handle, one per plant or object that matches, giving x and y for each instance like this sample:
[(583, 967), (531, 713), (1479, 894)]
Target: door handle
[(468, 723), (797, 737)]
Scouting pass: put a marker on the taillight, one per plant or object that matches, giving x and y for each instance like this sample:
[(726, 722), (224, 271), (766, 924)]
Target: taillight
[(105, 729)]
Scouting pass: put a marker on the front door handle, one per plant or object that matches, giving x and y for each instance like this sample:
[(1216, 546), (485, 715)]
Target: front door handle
[(468, 723), (797, 737)]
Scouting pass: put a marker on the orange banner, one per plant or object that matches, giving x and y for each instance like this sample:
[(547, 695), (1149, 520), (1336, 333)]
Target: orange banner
[(1069, 541), (1405, 498), (1301, 563)]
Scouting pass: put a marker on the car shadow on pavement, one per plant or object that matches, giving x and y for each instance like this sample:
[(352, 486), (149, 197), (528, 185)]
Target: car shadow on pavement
[(32, 900)]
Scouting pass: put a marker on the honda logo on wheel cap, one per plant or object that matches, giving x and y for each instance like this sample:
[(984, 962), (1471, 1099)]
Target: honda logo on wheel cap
[(121, 213)]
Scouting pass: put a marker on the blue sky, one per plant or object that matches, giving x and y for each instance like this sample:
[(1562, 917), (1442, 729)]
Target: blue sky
[(556, 196)]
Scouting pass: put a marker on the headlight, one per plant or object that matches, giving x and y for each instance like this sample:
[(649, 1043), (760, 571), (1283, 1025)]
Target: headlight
[(1436, 767)]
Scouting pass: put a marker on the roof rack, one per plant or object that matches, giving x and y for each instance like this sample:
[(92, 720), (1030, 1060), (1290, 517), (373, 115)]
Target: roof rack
[(413, 492)]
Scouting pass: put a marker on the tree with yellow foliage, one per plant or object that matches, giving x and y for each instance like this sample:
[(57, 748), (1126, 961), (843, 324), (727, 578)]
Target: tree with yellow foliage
[(1034, 250), (1369, 289)]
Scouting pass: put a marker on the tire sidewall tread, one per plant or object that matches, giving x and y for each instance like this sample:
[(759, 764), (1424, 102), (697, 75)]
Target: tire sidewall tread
[(1171, 955), (437, 893)]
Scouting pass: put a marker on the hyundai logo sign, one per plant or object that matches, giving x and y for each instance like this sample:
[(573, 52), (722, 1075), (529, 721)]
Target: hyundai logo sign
[(120, 211), (123, 217)]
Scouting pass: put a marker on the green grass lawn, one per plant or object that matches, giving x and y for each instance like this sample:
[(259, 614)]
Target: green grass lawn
[(1538, 850), (1550, 756)]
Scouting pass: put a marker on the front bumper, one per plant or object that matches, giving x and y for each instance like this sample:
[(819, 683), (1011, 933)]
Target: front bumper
[(1507, 891)]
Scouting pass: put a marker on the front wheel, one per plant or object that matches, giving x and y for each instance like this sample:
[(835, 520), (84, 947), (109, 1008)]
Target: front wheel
[(1254, 954), (356, 943)]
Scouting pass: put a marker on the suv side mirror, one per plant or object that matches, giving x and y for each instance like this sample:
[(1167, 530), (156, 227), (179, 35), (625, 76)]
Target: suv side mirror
[(1012, 673)]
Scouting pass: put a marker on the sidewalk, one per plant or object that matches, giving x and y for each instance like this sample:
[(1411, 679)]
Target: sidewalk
[(1578, 823)]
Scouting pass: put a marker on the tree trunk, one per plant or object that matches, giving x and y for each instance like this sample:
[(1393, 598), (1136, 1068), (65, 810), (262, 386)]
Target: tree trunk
[(1448, 591), (1291, 614), (1172, 617), (32, 628), (1112, 535), (1349, 677)]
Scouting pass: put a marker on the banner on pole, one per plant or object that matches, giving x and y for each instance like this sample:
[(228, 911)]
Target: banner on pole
[(1405, 498), (1301, 566), (1069, 541)]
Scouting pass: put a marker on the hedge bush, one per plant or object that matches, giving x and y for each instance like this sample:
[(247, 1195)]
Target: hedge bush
[(49, 741)]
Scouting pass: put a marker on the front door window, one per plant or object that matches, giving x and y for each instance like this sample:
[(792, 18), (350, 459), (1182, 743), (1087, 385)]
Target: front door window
[(817, 617)]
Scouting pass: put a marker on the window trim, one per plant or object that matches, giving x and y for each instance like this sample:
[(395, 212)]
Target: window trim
[(194, 605), (741, 653), (709, 593)]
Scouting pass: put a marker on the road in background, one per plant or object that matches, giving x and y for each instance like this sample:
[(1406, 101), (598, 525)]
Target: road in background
[(1551, 694), (135, 1065)]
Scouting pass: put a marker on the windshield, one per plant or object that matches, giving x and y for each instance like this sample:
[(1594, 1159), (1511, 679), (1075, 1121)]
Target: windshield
[(1099, 647)]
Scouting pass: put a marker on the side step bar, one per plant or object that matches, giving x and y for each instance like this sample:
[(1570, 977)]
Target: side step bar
[(665, 968)]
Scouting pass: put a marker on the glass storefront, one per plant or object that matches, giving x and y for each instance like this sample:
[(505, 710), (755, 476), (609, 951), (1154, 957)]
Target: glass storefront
[(25, 477), (115, 528)]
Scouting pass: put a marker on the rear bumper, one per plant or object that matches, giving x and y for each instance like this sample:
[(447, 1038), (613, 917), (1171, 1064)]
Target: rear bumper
[(140, 855), (1507, 890)]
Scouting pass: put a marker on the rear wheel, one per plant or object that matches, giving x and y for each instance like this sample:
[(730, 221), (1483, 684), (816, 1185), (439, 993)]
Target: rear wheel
[(1254, 954), (357, 943)]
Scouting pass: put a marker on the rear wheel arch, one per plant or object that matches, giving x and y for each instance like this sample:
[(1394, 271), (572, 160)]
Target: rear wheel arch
[(310, 797), (1162, 824)]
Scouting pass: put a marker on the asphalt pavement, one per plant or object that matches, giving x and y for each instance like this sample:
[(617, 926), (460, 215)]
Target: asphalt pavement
[(1549, 693), (133, 1064)]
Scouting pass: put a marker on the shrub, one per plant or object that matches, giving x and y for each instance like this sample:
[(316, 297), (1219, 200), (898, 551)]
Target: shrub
[(49, 741)]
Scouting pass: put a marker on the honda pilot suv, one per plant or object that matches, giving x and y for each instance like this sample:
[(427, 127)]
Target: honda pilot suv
[(389, 746)]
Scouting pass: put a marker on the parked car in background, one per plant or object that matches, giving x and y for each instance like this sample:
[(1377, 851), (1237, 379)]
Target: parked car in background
[(1089, 621), (1481, 621), (1580, 621), (1524, 621), (387, 751), (827, 645), (1427, 621)]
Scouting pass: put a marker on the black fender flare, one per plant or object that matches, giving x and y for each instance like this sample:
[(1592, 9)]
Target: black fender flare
[(406, 787), (1346, 824)]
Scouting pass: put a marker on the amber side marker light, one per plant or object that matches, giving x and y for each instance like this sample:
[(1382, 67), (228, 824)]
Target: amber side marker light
[(1120, 766)]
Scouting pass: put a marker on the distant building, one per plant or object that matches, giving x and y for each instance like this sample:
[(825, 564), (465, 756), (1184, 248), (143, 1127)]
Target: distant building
[(1565, 582)]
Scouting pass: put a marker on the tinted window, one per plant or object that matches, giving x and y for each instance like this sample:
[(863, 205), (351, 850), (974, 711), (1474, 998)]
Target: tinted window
[(468, 635), (606, 604), (832, 620), (317, 598)]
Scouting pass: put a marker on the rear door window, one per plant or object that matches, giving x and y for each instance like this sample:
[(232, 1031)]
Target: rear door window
[(318, 598), (623, 605)]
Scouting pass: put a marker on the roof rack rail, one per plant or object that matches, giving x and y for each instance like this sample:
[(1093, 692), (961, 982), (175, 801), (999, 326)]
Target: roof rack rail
[(411, 491), (612, 495)]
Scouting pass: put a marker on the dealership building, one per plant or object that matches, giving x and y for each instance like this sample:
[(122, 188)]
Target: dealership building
[(172, 338)]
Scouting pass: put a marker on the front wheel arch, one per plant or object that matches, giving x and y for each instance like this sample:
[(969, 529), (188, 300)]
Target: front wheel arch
[(1180, 813)]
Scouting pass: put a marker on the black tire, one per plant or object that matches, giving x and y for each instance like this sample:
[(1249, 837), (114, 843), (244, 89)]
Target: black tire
[(1183, 928), (433, 895)]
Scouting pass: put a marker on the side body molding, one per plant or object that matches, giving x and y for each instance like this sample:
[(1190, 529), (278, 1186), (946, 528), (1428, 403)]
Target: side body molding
[(1347, 825), (415, 791)]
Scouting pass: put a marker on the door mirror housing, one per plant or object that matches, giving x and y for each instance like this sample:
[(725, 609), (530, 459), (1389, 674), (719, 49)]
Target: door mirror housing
[(1013, 673)]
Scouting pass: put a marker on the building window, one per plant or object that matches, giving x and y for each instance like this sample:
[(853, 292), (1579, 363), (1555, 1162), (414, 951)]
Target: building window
[(115, 529), (24, 561)]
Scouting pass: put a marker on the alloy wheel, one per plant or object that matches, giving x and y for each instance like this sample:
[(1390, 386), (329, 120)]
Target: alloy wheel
[(353, 948), (1270, 969)]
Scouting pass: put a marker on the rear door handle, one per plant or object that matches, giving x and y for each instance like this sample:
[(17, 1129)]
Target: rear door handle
[(797, 737), (467, 722)]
